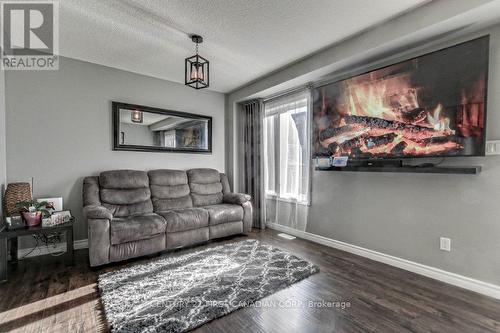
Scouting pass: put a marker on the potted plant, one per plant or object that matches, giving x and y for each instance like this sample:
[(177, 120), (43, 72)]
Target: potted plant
[(33, 211)]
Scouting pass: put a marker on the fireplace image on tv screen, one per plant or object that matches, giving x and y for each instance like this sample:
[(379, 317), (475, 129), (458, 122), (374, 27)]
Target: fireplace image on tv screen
[(432, 105)]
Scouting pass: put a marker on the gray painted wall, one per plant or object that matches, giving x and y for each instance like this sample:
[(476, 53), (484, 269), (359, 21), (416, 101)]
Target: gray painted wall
[(137, 134), (405, 214), (59, 127)]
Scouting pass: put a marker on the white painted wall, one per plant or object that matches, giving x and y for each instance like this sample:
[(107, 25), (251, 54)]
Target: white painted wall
[(59, 127)]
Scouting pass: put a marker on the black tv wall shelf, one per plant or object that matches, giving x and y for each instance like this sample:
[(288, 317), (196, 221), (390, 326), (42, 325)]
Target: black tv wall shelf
[(466, 170)]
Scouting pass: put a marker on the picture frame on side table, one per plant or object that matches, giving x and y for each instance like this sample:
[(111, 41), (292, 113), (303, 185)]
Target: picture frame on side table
[(57, 203), (14, 222)]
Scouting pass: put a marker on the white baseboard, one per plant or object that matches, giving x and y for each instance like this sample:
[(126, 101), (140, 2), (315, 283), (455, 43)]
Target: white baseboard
[(478, 286), (43, 250)]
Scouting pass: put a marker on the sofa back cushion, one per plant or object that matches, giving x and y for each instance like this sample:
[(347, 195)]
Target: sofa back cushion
[(205, 186), (91, 191), (125, 192), (169, 190)]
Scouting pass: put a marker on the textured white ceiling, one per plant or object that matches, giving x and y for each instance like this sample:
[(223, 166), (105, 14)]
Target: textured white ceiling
[(244, 39)]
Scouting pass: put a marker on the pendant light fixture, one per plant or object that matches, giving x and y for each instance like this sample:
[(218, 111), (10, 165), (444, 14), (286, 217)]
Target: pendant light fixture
[(196, 67), (136, 116)]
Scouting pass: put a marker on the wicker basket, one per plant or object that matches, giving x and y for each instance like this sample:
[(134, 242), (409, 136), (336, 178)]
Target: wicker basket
[(16, 192)]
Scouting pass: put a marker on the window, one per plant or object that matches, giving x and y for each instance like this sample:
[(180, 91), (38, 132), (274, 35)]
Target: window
[(286, 148), (169, 138)]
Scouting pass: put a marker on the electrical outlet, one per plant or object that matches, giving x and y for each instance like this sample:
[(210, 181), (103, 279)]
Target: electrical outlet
[(445, 244)]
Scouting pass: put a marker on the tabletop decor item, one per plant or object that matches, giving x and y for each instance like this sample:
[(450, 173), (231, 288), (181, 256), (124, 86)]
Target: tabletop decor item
[(56, 202), (14, 222), (16, 192), (57, 218), (47, 222), (33, 211)]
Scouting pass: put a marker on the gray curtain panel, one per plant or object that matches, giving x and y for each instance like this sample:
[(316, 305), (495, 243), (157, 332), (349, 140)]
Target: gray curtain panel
[(252, 147)]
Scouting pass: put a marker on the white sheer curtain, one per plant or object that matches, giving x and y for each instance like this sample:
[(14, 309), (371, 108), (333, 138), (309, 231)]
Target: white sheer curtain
[(286, 155)]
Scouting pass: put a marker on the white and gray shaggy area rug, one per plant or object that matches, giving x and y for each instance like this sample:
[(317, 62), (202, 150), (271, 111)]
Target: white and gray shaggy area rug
[(176, 293)]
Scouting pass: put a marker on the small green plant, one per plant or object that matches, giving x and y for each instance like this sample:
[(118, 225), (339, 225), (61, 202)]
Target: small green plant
[(34, 206)]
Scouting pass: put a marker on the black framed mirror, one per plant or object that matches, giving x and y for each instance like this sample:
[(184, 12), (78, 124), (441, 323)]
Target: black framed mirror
[(145, 128)]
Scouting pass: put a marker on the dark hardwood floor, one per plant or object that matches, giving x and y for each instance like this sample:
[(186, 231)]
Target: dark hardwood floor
[(43, 295)]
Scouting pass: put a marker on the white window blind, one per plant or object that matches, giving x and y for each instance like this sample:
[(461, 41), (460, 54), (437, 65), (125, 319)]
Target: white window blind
[(286, 147)]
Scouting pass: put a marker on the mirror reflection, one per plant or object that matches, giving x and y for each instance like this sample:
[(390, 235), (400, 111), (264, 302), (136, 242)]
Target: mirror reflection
[(140, 129)]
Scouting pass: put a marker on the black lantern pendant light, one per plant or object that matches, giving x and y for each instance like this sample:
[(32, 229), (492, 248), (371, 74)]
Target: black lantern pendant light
[(196, 68)]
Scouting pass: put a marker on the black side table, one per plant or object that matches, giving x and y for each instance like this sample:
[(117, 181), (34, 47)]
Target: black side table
[(7, 234)]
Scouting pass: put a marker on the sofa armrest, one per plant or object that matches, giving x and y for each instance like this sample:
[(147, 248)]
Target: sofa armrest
[(99, 241), (247, 216), (98, 219), (97, 212), (236, 198)]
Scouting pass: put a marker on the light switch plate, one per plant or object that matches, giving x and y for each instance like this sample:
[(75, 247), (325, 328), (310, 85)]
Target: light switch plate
[(493, 147)]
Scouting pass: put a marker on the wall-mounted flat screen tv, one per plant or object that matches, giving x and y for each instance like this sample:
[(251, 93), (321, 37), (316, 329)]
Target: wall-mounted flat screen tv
[(428, 106)]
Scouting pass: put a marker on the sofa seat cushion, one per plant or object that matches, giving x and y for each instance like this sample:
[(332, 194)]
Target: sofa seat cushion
[(136, 227), (185, 219), (224, 213)]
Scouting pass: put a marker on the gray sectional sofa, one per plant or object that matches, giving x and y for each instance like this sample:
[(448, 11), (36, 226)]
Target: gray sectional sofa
[(134, 213)]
